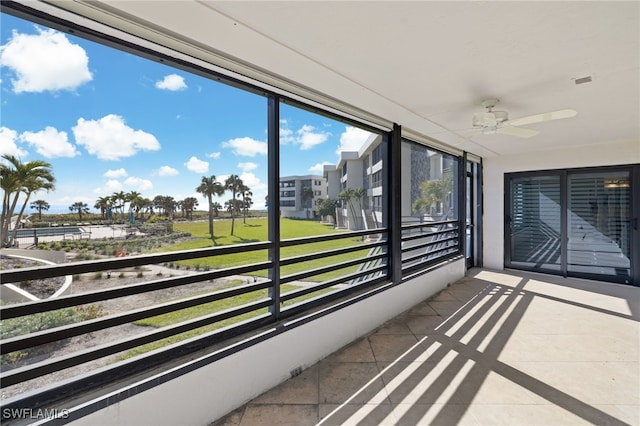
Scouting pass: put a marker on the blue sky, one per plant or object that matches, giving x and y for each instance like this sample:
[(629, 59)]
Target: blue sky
[(110, 121)]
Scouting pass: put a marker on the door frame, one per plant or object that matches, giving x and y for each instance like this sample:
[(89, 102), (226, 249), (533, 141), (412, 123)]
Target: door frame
[(634, 174)]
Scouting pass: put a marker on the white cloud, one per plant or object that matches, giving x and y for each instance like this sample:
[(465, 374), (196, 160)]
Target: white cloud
[(352, 139), (196, 165), (114, 174), (247, 167), (109, 138), (214, 155), (257, 187), (167, 171), (8, 144), (318, 168), (45, 61), (138, 184), (50, 143), (246, 146), (306, 136), (111, 186), (286, 136), (172, 82)]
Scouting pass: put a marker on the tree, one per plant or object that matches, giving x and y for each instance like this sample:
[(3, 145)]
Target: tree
[(346, 196), (306, 194), (433, 192), (216, 208), (327, 207), (189, 204), (18, 179), (359, 194), (80, 207), (102, 204), (140, 204), (134, 198), (233, 184), (246, 193), (39, 205), (209, 187), (118, 199)]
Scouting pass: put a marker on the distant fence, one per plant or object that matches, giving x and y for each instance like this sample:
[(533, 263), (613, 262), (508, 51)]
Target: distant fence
[(32, 236)]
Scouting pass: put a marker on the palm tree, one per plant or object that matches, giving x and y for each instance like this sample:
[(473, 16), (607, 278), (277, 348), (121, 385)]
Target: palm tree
[(346, 196), (102, 204), (306, 194), (216, 208), (246, 193), (118, 199), (139, 203), (80, 207), (133, 198), (233, 184), (39, 205), (358, 194), (20, 178), (209, 187), (189, 204)]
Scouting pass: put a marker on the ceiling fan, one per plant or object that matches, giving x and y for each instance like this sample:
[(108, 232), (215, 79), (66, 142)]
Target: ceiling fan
[(491, 121)]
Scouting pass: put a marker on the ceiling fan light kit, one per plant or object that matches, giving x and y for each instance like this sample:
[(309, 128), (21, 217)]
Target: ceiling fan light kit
[(490, 122)]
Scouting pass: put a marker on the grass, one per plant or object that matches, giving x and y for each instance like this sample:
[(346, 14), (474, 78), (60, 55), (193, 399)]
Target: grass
[(186, 314), (256, 230)]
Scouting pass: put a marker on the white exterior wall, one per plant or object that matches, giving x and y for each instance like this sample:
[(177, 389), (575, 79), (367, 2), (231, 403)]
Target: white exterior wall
[(494, 169)]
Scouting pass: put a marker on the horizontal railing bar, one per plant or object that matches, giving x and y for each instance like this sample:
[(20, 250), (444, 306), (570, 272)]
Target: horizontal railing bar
[(329, 237), (430, 243), (423, 255), (430, 224), (123, 370), (325, 284), (12, 311), (323, 300), (49, 271), (428, 234), (328, 253), (51, 335), (311, 272), (21, 374)]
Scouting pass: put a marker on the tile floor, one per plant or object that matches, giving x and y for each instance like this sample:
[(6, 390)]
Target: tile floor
[(495, 348)]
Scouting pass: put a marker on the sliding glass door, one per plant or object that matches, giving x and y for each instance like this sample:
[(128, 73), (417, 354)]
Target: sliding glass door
[(534, 219), (579, 223), (599, 223)]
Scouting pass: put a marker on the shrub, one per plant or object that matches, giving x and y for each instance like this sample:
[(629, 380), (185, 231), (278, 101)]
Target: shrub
[(42, 321)]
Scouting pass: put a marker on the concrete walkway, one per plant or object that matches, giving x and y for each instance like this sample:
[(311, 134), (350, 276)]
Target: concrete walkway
[(506, 348)]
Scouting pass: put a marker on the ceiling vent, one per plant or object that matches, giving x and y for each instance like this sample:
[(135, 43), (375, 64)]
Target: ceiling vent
[(583, 80)]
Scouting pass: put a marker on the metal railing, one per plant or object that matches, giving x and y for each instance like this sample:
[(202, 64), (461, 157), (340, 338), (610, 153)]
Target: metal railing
[(244, 318)]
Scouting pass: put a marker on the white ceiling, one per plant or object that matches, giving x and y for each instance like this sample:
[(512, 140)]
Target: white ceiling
[(428, 65)]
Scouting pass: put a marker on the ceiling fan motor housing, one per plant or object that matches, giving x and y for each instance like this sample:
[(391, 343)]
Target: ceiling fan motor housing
[(489, 119)]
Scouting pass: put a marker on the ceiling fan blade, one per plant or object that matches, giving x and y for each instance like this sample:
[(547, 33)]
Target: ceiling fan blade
[(538, 118), (520, 132)]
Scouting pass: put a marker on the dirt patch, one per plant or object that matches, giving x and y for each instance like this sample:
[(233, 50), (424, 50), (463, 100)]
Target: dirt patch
[(40, 288), (92, 282)]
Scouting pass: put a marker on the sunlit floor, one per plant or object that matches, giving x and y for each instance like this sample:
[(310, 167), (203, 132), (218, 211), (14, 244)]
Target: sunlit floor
[(504, 348)]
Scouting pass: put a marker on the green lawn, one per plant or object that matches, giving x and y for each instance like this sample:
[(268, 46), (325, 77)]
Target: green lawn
[(255, 230), (181, 315)]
